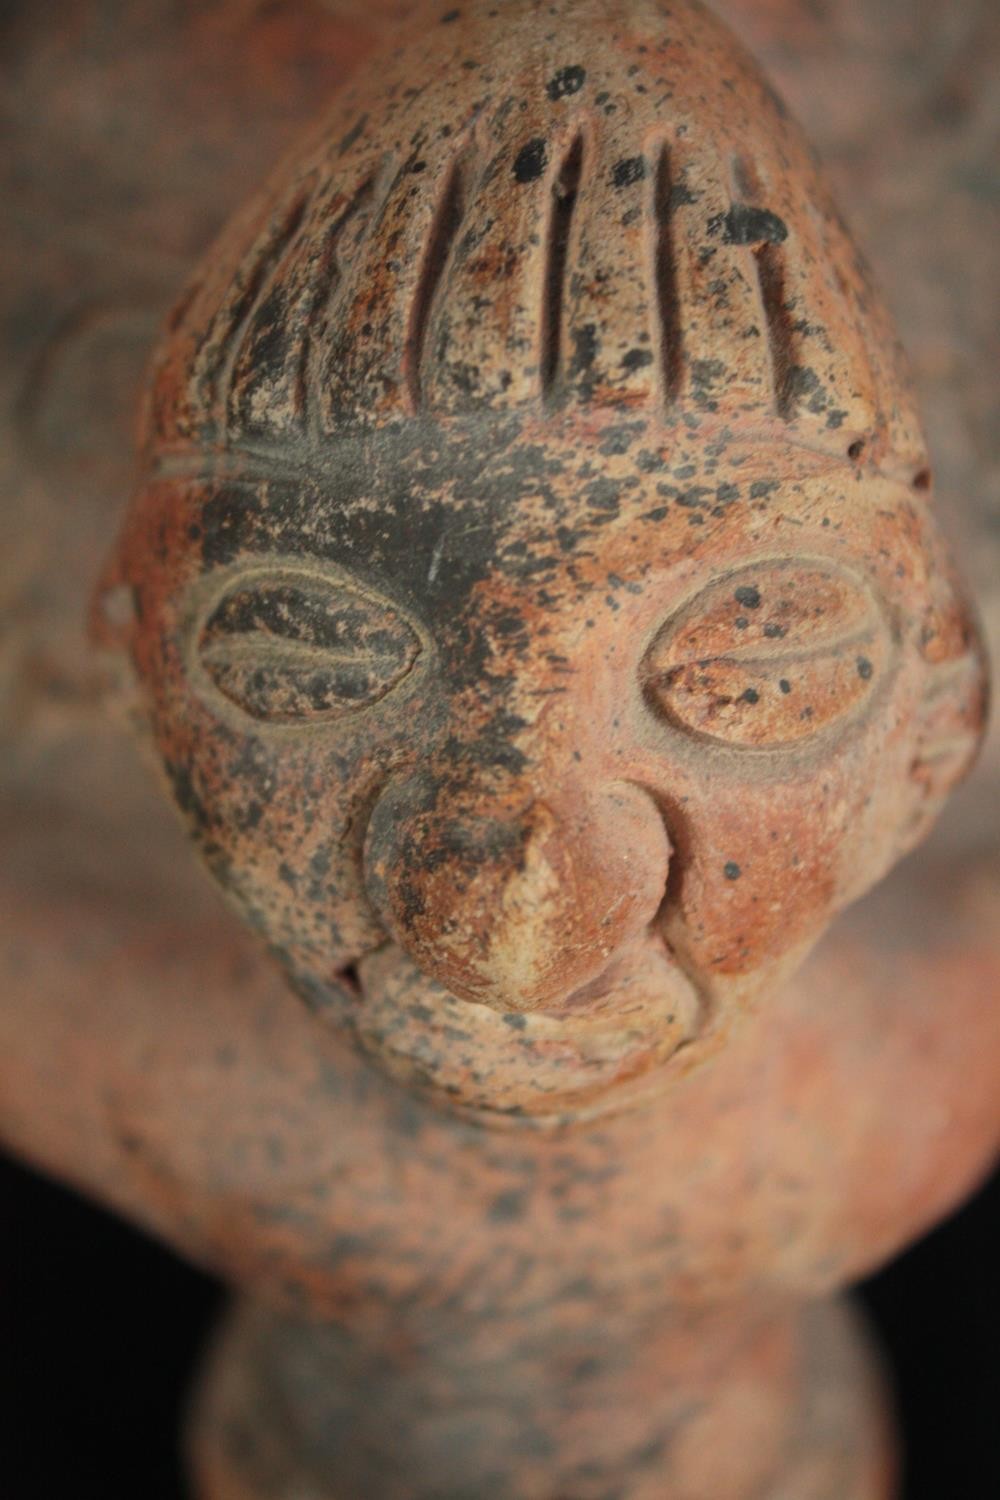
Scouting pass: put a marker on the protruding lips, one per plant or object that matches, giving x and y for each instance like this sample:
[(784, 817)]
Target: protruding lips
[(604, 1037)]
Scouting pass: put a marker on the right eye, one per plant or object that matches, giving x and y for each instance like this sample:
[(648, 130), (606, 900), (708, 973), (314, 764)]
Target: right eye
[(768, 655), (292, 647)]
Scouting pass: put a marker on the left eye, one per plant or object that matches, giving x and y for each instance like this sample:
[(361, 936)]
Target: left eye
[(768, 656), (291, 647)]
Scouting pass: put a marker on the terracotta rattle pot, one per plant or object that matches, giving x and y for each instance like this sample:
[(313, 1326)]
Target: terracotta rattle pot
[(533, 598)]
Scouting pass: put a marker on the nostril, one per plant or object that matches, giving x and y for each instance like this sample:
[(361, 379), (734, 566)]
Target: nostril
[(350, 978)]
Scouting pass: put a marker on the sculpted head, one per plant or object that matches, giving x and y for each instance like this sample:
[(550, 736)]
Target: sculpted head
[(538, 604)]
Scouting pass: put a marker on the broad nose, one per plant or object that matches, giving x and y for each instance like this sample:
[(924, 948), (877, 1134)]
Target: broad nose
[(510, 898)]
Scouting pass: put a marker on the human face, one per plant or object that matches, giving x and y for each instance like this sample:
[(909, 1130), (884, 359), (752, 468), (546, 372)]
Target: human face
[(539, 750)]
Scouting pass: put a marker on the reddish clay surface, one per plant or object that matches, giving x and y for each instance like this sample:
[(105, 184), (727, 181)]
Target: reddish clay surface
[(534, 592)]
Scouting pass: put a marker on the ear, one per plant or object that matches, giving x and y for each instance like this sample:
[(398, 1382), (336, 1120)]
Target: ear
[(953, 710), (951, 720), (110, 629)]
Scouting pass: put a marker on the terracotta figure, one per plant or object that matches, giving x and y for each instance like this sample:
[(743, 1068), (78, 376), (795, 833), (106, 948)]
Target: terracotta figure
[(534, 601)]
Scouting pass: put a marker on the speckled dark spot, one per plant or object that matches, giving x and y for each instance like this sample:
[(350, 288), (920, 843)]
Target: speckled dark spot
[(636, 359), (566, 81), (507, 1207), (745, 225), (630, 169), (353, 135), (530, 162), (605, 494), (802, 381), (585, 346)]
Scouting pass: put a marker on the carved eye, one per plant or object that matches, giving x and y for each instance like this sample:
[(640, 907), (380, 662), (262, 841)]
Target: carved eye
[(768, 655), (294, 647)]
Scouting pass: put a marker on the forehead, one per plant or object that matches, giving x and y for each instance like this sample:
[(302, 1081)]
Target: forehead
[(440, 512)]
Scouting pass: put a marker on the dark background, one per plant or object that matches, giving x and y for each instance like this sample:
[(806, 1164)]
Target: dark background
[(101, 1328)]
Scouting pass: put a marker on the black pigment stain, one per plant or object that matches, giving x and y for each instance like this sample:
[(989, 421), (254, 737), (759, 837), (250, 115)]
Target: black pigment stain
[(744, 225), (567, 81), (507, 1207), (585, 344), (352, 136), (630, 169), (529, 164)]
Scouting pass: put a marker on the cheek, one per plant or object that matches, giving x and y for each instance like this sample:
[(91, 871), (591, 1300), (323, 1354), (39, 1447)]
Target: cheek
[(762, 867), (279, 824), (297, 868)]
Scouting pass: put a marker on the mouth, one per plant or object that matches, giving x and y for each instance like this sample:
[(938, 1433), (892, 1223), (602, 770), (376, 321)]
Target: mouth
[(606, 1043)]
